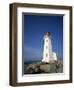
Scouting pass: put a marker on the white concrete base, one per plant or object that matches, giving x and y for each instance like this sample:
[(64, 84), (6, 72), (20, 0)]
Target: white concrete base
[(46, 61), (51, 60)]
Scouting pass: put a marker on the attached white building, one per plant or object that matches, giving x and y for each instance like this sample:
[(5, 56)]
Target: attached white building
[(55, 56), (48, 54)]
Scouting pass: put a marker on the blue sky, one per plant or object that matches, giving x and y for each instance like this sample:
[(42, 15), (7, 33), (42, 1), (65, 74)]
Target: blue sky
[(35, 27)]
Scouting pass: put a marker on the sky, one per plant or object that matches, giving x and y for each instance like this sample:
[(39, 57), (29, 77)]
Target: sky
[(35, 27)]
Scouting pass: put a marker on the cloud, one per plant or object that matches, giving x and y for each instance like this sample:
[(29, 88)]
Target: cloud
[(31, 53)]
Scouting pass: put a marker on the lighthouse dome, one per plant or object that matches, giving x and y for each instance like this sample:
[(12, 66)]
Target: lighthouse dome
[(48, 33)]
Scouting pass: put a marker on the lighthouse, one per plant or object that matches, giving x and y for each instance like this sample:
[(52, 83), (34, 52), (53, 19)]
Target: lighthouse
[(47, 51)]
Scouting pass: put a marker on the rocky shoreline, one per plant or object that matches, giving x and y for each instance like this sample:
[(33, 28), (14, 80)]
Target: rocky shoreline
[(42, 67)]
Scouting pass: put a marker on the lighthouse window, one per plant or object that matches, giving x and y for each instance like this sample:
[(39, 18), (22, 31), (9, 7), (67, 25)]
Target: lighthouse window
[(46, 40), (46, 47), (46, 54)]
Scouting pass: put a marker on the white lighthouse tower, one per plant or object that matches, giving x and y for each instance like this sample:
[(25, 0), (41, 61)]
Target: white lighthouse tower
[(47, 52)]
